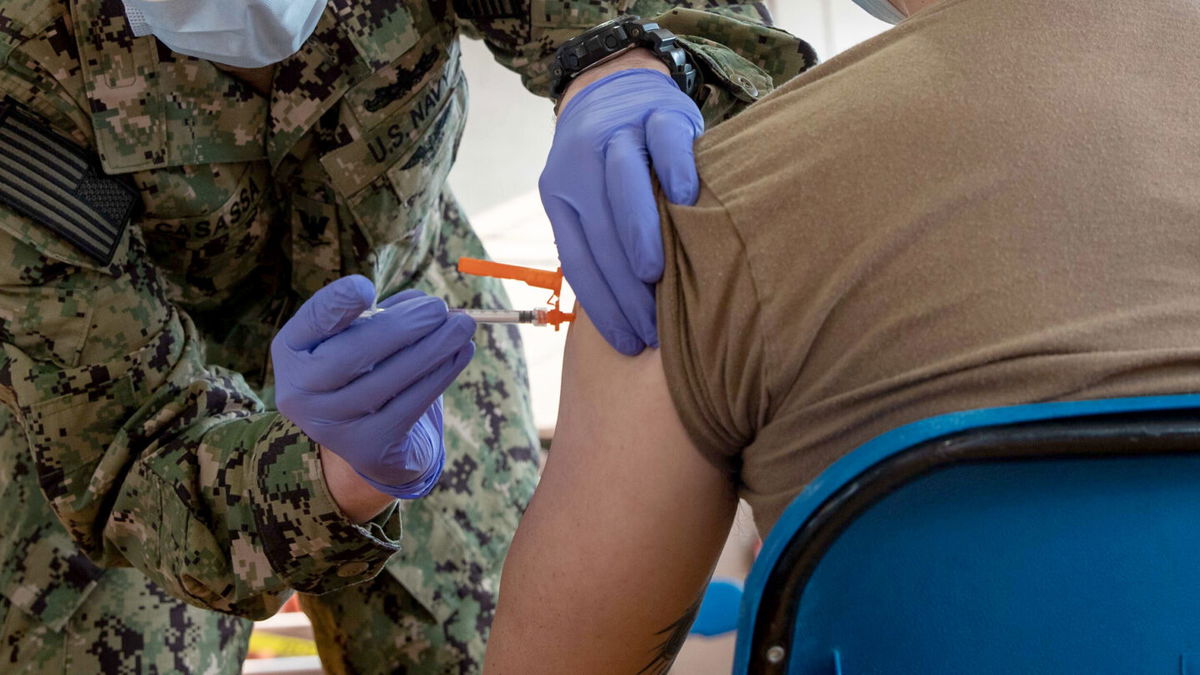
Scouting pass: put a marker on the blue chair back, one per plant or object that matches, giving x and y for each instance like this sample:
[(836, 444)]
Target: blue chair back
[(1046, 538)]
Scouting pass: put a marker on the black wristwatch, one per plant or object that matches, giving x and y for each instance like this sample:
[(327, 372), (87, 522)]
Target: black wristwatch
[(612, 38)]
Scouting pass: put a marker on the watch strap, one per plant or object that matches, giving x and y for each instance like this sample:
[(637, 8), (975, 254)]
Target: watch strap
[(608, 40), (663, 44)]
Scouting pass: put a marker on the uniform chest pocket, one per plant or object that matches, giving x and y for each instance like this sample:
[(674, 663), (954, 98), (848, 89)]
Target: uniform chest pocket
[(211, 234), (391, 178)]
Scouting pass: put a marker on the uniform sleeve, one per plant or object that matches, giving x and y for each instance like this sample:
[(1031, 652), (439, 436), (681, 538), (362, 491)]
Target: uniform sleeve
[(148, 456), (740, 56)]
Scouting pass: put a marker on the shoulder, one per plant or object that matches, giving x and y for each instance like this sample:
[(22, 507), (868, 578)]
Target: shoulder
[(24, 20), (40, 66)]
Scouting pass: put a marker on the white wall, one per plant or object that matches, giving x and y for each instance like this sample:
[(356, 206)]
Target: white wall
[(830, 26)]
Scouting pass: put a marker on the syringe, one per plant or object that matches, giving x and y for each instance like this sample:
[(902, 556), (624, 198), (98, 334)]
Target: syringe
[(542, 316), (537, 317)]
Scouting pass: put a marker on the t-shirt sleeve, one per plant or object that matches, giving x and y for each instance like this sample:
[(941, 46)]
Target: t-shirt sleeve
[(709, 331)]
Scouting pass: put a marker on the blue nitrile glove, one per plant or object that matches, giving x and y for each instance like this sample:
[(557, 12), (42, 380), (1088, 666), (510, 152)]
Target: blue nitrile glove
[(596, 189), (369, 389)]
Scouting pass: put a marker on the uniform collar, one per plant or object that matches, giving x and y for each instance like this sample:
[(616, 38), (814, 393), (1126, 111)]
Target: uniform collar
[(310, 82), (152, 108)]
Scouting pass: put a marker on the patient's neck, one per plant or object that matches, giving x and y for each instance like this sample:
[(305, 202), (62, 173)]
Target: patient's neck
[(259, 79)]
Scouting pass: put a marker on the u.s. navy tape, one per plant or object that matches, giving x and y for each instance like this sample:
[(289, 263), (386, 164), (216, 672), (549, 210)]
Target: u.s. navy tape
[(57, 184)]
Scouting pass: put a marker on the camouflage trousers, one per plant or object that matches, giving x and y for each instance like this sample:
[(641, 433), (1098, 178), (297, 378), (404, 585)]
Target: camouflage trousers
[(429, 612)]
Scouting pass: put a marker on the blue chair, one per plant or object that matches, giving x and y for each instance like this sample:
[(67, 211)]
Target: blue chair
[(1046, 538)]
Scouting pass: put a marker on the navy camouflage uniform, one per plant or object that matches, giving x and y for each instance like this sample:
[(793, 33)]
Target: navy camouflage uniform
[(144, 476)]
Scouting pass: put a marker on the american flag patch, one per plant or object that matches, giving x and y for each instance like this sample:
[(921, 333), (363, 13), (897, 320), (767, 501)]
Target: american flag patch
[(54, 182)]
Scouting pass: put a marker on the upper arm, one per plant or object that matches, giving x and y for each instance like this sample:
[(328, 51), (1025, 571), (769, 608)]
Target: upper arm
[(623, 531)]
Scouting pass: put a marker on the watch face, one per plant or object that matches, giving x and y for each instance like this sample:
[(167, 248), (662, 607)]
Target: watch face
[(606, 25), (624, 18), (579, 53)]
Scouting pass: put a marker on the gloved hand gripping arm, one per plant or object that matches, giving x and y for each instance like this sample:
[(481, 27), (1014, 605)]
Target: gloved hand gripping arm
[(596, 186), (596, 200), (618, 121)]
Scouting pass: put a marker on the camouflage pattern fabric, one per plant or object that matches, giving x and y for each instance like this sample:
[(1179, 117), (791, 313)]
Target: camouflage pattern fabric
[(129, 624), (146, 477)]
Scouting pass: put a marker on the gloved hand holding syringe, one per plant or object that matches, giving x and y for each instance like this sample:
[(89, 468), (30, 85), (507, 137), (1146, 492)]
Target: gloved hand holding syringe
[(551, 281), (370, 391)]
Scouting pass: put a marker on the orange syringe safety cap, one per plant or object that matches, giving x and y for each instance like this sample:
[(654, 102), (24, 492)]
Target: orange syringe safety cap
[(551, 281)]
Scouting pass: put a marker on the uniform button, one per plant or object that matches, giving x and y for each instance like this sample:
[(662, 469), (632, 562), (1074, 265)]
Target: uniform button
[(747, 85), (352, 569)]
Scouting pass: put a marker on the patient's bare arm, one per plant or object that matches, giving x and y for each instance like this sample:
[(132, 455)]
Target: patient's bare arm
[(609, 563)]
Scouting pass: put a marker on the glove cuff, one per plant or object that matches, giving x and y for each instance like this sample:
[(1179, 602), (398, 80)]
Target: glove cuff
[(414, 489)]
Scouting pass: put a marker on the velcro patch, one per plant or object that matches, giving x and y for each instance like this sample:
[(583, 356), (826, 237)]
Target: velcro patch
[(54, 182), (489, 9)]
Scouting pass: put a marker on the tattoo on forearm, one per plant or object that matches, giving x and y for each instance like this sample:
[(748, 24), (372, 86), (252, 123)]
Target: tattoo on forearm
[(673, 638)]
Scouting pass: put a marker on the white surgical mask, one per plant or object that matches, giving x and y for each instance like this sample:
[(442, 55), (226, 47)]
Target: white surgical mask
[(882, 10), (241, 33)]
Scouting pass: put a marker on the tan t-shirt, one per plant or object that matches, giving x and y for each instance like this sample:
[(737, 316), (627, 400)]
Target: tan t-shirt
[(996, 202)]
